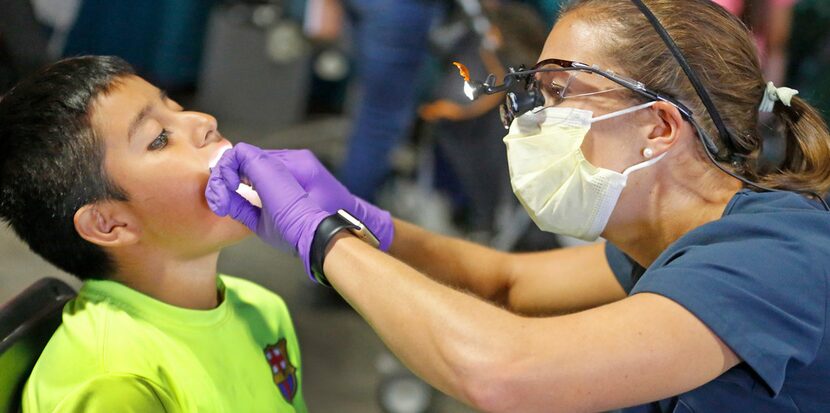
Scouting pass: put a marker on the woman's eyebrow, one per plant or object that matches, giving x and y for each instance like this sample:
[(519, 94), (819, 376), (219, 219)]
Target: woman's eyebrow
[(142, 115)]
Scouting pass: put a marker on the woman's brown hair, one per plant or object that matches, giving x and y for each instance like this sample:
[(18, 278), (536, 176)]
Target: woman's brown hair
[(721, 51)]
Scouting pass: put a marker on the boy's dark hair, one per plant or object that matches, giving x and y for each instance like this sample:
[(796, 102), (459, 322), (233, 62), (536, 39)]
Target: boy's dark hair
[(51, 162)]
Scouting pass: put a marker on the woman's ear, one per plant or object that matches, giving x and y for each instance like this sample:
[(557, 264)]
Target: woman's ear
[(667, 130), (106, 224)]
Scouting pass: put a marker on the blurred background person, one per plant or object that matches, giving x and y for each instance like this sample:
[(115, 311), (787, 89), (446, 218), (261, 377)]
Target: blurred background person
[(809, 52), (468, 133), (23, 42), (391, 44), (391, 40), (771, 22), (161, 39)]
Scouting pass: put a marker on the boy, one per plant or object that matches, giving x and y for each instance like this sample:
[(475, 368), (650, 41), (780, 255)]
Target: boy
[(104, 176)]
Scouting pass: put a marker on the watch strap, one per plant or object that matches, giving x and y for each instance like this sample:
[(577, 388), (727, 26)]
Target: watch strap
[(328, 228)]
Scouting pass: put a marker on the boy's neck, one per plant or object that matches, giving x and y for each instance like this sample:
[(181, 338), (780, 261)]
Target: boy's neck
[(187, 283)]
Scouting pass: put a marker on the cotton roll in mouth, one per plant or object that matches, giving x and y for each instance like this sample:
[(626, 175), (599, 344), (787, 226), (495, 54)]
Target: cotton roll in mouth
[(244, 190)]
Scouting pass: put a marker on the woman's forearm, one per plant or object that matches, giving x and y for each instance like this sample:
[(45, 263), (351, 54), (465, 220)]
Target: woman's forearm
[(541, 283), (447, 337), (459, 263)]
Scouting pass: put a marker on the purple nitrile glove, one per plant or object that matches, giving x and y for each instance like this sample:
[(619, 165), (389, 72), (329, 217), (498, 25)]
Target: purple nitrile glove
[(327, 192), (287, 214)]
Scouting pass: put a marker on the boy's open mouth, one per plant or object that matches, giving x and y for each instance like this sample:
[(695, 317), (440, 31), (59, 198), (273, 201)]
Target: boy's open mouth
[(218, 155), (244, 188)]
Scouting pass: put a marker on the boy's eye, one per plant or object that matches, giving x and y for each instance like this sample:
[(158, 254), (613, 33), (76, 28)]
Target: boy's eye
[(160, 141)]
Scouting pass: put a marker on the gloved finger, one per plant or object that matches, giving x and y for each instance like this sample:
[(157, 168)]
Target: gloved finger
[(268, 175), (228, 166), (241, 210), (302, 163), (246, 160), (217, 194), (288, 158)]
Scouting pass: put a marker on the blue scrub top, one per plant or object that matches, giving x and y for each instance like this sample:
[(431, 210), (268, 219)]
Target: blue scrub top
[(758, 277)]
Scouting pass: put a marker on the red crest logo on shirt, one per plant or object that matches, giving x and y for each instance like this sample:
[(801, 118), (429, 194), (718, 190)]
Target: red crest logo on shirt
[(285, 374)]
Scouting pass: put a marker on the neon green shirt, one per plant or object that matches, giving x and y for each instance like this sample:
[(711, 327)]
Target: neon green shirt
[(120, 350)]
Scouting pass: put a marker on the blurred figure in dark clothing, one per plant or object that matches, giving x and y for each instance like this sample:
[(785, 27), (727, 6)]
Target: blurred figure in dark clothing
[(392, 44), (23, 43), (809, 60), (470, 133), (771, 22)]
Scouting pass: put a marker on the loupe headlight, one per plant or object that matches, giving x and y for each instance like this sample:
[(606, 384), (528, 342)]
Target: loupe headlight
[(472, 89), (517, 99)]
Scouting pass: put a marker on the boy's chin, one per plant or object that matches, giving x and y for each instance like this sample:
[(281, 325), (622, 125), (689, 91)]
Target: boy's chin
[(233, 232)]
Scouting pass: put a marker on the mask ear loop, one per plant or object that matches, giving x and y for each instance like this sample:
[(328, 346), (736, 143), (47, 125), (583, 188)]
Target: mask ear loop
[(626, 111), (623, 112), (641, 165)]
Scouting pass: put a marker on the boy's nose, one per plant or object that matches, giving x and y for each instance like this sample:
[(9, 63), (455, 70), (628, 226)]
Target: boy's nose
[(205, 129)]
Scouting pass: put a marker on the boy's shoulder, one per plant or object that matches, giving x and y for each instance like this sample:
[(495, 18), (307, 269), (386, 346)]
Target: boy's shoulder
[(95, 333), (111, 331), (89, 347)]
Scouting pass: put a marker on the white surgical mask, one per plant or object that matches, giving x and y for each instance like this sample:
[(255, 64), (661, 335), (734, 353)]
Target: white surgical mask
[(558, 187)]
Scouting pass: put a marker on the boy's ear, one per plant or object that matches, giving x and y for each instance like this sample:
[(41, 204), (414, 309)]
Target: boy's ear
[(106, 224)]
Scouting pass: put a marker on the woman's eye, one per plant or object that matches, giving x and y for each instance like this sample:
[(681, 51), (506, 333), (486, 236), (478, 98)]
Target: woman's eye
[(160, 141), (555, 89)]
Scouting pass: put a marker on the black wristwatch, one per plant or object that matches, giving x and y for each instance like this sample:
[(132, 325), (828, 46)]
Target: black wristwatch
[(328, 228)]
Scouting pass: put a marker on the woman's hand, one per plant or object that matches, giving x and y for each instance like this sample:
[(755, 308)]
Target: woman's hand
[(328, 193), (287, 215)]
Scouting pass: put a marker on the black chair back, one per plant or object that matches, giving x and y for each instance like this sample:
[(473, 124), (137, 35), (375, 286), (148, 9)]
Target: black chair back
[(27, 322)]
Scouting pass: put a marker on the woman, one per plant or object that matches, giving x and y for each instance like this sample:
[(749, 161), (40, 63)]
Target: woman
[(708, 296)]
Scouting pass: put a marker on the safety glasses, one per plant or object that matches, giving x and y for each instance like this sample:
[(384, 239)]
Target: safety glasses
[(552, 81)]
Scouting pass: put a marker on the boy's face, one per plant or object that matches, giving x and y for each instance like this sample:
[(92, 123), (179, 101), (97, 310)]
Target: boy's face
[(158, 154)]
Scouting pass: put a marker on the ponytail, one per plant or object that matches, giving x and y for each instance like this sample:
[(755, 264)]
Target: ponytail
[(806, 166)]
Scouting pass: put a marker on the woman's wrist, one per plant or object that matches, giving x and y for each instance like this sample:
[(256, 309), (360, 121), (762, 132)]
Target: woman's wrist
[(326, 232)]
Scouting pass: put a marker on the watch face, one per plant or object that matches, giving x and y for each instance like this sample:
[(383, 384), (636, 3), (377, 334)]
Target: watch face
[(361, 231), (351, 218)]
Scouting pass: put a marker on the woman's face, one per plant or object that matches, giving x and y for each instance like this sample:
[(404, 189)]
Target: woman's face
[(615, 143)]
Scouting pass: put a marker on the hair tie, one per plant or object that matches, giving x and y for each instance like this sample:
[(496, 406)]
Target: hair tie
[(774, 94)]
